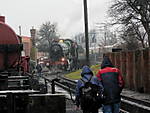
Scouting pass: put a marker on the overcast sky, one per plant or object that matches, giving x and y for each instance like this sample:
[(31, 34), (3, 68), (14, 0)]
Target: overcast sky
[(68, 14)]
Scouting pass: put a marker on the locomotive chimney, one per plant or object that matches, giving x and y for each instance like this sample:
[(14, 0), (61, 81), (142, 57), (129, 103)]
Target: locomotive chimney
[(2, 19)]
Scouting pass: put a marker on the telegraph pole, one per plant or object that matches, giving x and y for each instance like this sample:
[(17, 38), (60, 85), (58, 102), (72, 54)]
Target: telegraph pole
[(86, 31), (20, 30)]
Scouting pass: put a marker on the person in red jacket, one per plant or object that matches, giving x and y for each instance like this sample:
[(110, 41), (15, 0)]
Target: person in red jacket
[(113, 84)]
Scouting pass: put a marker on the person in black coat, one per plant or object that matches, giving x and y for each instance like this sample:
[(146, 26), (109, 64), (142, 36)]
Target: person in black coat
[(113, 84), (39, 69), (87, 76)]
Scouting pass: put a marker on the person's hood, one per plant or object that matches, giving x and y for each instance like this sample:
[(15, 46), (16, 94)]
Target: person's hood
[(106, 63), (86, 70)]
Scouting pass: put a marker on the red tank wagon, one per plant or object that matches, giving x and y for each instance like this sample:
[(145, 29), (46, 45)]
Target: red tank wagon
[(13, 66), (10, 47)]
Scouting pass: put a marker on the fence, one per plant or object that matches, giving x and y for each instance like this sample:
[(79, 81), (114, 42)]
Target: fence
[(135, 66)]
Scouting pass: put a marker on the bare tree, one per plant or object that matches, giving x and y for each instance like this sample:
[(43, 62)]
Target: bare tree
[(128, 35), (135, 13), (142, 9), (47, 33), (106, 36), (139, 33)]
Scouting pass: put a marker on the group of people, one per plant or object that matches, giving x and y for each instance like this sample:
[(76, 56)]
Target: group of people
[(110, 81)]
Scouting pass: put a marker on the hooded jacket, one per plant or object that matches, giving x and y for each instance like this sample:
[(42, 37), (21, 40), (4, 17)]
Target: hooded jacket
[(86, 75), (112, 81)]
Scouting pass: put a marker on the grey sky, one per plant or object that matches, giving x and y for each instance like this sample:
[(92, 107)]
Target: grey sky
[(68, 14)]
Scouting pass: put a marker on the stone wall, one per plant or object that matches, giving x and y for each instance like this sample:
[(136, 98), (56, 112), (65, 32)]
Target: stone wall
[(47, 103)]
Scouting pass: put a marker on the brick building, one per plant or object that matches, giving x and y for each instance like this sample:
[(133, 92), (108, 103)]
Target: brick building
[(26, 45)]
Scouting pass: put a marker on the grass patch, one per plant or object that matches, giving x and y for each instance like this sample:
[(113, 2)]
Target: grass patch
[(77, 74)]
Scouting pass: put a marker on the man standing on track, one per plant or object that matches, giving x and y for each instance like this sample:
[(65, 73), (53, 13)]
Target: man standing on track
[(113, 84), (39, 68)]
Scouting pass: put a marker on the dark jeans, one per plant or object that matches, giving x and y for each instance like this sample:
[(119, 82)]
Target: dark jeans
[(111, 108)]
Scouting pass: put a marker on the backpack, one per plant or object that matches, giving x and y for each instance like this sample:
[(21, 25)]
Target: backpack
[(90, 95)]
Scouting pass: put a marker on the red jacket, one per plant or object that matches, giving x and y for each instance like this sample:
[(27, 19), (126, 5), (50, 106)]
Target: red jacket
[(112, 70)]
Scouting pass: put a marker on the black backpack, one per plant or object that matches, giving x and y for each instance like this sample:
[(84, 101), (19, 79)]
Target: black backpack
[(90, 95)]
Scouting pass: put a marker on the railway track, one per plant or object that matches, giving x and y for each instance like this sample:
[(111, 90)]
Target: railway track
[(128, 104)]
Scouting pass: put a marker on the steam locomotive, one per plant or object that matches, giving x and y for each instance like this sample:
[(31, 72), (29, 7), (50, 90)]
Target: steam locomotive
[(64, 54)]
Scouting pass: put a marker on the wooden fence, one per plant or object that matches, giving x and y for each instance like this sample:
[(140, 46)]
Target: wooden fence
[(135, 67)]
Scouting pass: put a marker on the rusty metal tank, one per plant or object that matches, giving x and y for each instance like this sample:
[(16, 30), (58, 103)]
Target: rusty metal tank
[(10, 47)]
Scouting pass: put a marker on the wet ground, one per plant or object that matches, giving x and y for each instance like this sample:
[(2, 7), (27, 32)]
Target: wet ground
[(136, 95), (71, 108)]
